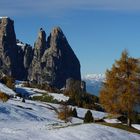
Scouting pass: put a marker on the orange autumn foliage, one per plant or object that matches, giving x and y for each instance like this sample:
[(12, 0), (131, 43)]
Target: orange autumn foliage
[(4, 97), (121, 89)]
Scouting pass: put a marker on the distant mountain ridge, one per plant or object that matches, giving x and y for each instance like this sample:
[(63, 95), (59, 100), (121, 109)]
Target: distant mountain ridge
[(94, 82)]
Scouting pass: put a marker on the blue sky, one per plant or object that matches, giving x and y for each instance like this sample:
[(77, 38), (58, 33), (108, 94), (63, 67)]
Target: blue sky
[(97, 30)]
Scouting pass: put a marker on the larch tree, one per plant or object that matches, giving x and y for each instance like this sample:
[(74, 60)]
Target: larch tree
[(121, 90), (65, 112)]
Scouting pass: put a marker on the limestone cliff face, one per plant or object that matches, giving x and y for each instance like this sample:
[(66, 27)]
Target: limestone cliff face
[(25, 56), (35, 70), (51, 61), (59, 60), (8, 50)]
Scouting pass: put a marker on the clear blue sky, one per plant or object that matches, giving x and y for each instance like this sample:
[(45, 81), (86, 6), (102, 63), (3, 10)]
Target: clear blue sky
[(97, 30)]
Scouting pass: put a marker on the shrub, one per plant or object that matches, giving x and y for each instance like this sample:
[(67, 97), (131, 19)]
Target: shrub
[(8, 81), (81, 99), (26, 84), (88, 117), (4, 97), (65, 113), (19, 95), (136, 118), (23, 100), (74, 112), (43, 86), (45, 98)]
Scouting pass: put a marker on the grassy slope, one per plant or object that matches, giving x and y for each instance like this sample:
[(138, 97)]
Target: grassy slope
[(121, 126)]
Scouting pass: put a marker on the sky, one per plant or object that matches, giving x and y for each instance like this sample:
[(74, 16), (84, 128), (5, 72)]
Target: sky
[(97, 30)]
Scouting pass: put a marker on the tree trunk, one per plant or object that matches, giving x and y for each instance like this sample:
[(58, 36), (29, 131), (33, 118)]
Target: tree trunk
[(129, 122)]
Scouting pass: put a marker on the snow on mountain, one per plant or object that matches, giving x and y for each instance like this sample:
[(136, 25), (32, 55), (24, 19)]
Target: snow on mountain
[(6, 90), (95, 77), (94, 82), (20, 44), (3, 17)]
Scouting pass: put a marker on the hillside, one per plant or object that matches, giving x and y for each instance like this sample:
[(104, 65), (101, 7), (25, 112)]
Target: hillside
[(5, 89), (35, 120), (38, 120)]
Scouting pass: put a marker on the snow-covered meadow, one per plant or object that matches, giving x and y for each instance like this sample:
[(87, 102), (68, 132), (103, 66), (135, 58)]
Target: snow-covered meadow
[(35, 120), (38, 121)]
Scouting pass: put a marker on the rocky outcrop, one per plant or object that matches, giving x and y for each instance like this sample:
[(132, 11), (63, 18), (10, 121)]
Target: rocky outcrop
[(54, 61), (8, 49), (72, 84), (59, 61), (51, 61), (35, 70), (15, 57), (83, 86), (25, 56), (40, 45)]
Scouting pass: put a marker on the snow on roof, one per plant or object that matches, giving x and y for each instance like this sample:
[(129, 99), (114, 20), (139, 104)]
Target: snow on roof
[(112, 121)]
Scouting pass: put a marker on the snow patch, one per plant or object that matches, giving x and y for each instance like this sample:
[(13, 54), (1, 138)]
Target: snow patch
[(59, 97), (112, 121), (4, 17), (96, 114), (5, 89), (136, 126)]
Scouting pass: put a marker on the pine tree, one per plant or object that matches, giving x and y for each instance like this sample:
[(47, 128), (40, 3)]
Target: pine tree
[(23, 100), (121, 89), (88, 117), (74, 112)]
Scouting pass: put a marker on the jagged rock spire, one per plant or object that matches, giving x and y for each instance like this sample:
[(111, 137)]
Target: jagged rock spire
[(56, 37), (52, 61), (7, 33), (7, 46), (40, 44), (60, 61)]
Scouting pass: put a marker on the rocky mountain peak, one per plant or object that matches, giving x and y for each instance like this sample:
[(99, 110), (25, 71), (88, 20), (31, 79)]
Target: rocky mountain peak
[(57, 41), (42, 34), (40, 44), (7, 33), (57, 60), (56, 31), (5, 20), (10, 54), (50, 61)]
